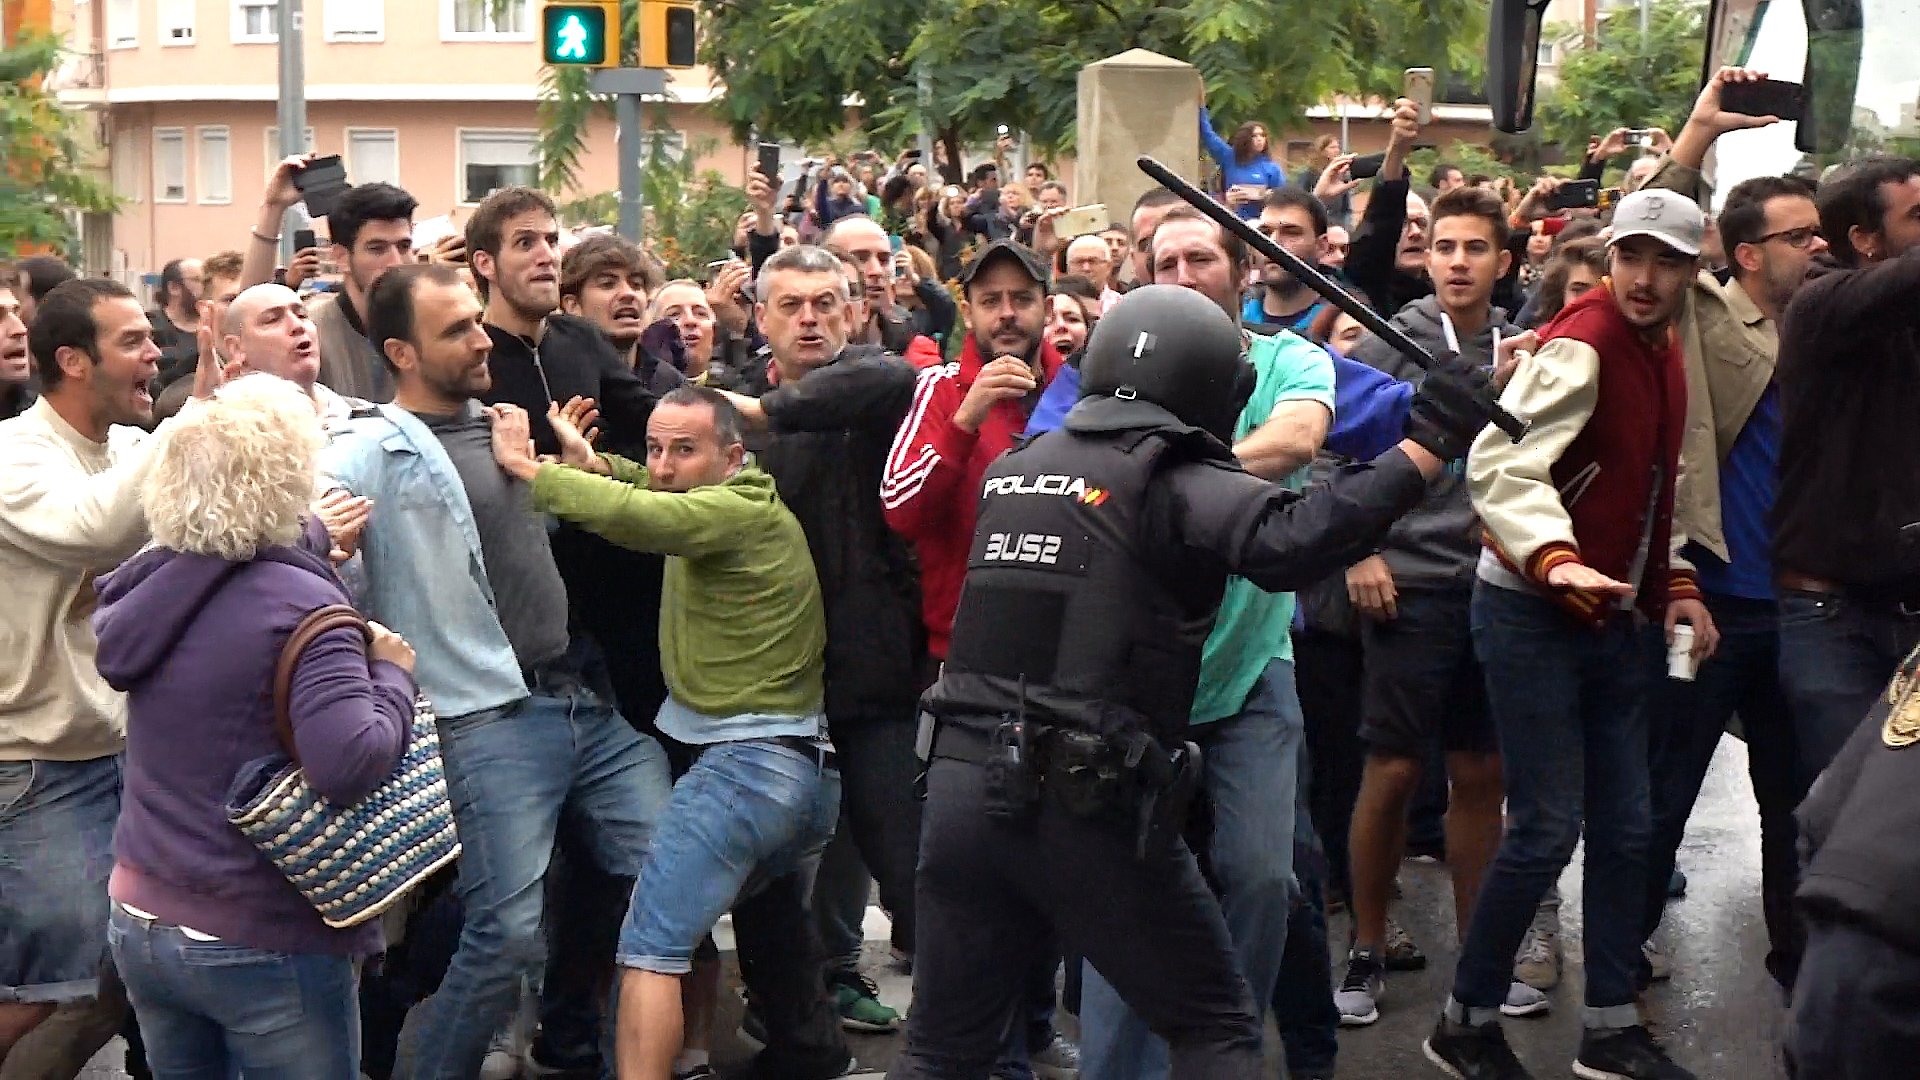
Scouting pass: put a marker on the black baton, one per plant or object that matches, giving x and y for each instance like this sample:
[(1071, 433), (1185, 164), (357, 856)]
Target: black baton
[(1312, 278)]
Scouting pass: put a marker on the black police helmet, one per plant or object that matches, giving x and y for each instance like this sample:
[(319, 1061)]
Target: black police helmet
[(1175, 348)]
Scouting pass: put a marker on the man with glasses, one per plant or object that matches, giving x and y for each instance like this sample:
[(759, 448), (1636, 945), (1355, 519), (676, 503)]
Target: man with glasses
[(1771, 231)]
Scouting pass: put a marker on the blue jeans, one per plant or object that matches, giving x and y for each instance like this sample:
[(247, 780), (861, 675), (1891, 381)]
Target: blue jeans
[(747, 812), (1251, 782), (56, 852), (1570, 704), (1687, 720), (1836, 656), (1303, 1008), (210, 1010), (515, 775)]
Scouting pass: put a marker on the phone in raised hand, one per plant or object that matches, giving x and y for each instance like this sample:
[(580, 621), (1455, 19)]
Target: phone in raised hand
[(1418, 88)]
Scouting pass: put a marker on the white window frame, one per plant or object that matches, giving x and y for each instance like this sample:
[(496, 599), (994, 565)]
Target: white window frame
[(178, 136), (460, 155), (447, 24), (123, 32), (176, 16), (375, 31), (240, 35), (354, 172), (203, 137), (270, 139)]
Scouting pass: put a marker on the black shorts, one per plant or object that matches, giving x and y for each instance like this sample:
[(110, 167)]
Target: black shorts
[(1421, 680)]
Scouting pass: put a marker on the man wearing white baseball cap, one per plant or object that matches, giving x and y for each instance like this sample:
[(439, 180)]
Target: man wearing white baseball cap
[(1574, 585)]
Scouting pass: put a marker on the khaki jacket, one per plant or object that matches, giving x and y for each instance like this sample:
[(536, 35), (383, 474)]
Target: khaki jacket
[(1730, 352)]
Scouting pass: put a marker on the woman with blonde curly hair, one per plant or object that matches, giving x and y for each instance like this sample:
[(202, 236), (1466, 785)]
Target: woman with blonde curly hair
[(228, 968)]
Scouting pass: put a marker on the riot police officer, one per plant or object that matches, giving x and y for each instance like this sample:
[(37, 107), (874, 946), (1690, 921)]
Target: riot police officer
[(1057, 768)]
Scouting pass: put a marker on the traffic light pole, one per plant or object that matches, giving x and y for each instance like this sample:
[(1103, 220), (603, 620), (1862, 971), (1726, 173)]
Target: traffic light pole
[(628, 86), (289, 22)]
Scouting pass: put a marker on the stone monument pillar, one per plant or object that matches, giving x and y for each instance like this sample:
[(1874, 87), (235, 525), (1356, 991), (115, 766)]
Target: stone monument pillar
[(1138, 102)]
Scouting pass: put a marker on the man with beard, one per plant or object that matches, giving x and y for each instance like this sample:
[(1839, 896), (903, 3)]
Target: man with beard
[(16, 363), (862, 241), (1573, 584), (457, 556), (371, 228), (963, 416), (176, 321), (1297, 222), (70, 471)]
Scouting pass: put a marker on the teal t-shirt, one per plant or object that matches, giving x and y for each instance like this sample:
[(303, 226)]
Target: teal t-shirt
[(1253, 628)]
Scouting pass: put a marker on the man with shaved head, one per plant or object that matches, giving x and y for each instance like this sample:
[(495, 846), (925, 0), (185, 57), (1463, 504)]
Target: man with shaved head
[(860, 241)]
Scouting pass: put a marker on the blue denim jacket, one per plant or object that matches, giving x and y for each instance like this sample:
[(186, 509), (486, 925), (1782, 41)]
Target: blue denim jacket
[(412, 577)]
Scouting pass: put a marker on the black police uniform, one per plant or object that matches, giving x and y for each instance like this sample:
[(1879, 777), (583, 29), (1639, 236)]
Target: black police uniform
[(1058, 765), (1853, 1015)]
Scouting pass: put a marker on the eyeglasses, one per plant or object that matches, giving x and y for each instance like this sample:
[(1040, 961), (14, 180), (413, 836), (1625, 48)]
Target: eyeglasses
[(1795, 238)]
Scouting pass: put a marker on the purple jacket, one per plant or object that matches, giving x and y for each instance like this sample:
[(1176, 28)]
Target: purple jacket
[(193, 641)]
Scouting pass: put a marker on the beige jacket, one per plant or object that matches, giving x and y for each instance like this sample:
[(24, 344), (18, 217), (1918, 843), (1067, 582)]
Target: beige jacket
[(348, 364), (1730, 351), (69, 509)]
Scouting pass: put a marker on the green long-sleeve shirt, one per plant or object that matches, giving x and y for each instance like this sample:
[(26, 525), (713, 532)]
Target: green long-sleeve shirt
[(742, 629)]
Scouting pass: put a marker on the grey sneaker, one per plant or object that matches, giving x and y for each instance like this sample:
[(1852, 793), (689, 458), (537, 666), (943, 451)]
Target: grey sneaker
[(1524, 1000), (1358, 998), (1538, 962), (1399, 951)]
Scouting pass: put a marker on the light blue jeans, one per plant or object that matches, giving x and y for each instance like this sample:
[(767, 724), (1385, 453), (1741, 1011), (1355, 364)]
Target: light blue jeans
[(211, 1010), (1252, 777), (516, 775), (747, 812)]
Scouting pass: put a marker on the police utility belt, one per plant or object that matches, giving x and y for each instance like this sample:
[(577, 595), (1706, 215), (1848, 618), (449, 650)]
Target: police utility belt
[(1128, 781)]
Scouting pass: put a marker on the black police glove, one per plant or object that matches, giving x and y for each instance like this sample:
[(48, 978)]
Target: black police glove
[(1450, 408)]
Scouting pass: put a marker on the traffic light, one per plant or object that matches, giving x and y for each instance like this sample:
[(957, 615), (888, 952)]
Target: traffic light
[(668, 37), (581, 33)]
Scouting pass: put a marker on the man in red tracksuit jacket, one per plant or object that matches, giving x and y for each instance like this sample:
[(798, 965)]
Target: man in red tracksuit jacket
[(963, 416)]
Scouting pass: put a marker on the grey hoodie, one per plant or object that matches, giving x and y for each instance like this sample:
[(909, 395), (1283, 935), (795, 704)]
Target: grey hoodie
[(1439, 542)]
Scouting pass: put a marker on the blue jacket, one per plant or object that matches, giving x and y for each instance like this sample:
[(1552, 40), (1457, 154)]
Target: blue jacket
[(1262, 171), (1369, 411), (413, 578)]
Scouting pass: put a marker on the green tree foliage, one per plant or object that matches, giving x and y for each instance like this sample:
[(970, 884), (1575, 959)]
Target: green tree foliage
[(1624, 78), (789, 67), (690, 214), (39, 146)]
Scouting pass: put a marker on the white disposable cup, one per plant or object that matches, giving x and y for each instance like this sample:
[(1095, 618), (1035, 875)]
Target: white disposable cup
[(1680, 653)]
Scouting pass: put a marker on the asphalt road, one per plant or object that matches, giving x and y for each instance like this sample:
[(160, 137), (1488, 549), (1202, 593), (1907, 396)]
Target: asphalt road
[(1720, 1015)]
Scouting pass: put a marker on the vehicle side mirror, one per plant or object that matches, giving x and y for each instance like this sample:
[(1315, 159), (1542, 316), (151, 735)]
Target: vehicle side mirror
[(1513, 56)]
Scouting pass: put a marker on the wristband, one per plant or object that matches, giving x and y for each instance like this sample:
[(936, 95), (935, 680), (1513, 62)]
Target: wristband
[(264, 239)]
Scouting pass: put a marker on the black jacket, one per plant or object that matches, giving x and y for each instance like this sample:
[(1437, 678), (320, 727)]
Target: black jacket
[(827, 443), (1849, 376), (612, 593)]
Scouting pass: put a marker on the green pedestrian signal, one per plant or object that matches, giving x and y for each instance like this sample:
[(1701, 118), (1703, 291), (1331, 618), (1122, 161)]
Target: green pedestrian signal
[(581, 34)]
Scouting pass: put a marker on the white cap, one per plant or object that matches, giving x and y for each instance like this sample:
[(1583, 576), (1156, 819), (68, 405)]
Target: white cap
[(1667, 216)]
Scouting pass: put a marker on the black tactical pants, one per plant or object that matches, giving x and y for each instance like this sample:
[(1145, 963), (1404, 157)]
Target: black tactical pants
[(989, 891)]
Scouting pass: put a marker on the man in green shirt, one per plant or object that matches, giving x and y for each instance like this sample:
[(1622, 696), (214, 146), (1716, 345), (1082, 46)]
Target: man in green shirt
[(742, 645)]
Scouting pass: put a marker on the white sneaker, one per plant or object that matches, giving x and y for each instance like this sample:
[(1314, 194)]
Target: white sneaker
[(1524, 1000), (503, 1058), (1657, 960)]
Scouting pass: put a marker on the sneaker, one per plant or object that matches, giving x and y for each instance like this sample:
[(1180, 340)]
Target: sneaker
[(1358, 998), (1677, 884), (1657, 961), (1059, 1061), (1400, 951), (1473, 1053), (1625, 1054), (1538, 962), (1524, 1000), (698, 1072), (858, 1001)]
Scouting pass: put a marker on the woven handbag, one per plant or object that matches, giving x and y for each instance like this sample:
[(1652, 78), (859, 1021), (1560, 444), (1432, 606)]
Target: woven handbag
[(350, 862)]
